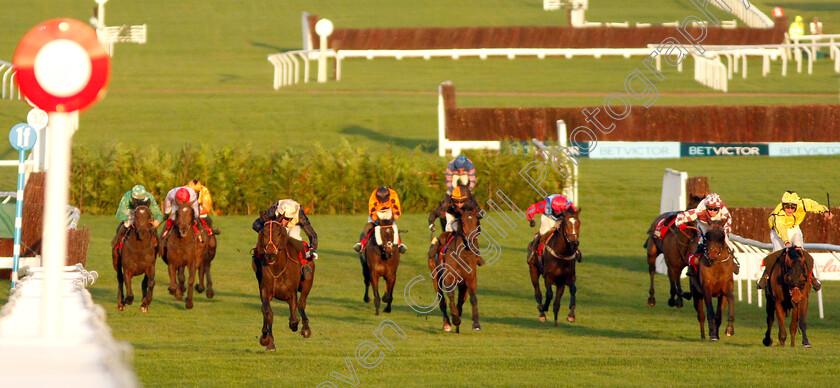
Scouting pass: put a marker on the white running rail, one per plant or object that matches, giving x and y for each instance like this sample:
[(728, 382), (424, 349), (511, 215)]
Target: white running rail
[(7, 72), (746, 11)]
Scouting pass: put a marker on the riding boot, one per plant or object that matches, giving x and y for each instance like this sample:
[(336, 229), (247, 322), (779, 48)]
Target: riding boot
[(402, 248), (305, 272), (769, 261), (762, 282), (365, 232), (434, 247), (815, 283), (578, 256), (121, 229)]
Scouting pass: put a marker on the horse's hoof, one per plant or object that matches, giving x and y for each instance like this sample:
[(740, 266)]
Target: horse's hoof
[(671, 303), (806, 345), (713, 338), (294, 326), (767, 341), (476, 326), (447, 327), (210, 293), (264, 341), (366, 299), (144, 309), (306, 333), (570, 319), (651, 302), (377, 313), (171, 291), (555, 323), (129, 300), (189, 304), (542, 318), (458, 329), (270, 348), (121, 307), (199, 289), (387, 309)]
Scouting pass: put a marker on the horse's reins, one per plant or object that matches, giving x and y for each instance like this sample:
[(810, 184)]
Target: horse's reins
[(274, 254), (565, 237)]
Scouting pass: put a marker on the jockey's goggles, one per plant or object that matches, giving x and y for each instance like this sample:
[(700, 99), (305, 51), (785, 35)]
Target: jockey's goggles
[(789, 206), (713, 209)]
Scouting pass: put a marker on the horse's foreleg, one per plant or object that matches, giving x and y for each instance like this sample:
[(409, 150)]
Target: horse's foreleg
[(794, 325), (374, 283), (710, 315), (462, 297), (366, 276), (549, 293), (803, 312), (730, 328), (560, 289), (267, 338), (442, 305), (652, 269), (210, 292), (780, 317), (676, 299), (149, 282), (190, 283), (129, 294), (173, 286), (120, 296), (200, 266), (182, 280), (699, 306), (473, 288), (719, 313), (572, 292), (293, 318), (769, 310), (535, 280), (390, 282), (306, 286)]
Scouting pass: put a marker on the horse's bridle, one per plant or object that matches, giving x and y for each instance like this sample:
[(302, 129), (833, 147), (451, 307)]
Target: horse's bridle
[(786, 269), (270, 248), (560, 225)]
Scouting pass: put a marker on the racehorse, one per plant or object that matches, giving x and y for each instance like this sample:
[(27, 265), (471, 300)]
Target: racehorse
[(182, 249), (277, 263), (715, 270), (380, 258), (558, 257), (137, 257), (207, 255), (458, 267), (676, 246), (787, 289)]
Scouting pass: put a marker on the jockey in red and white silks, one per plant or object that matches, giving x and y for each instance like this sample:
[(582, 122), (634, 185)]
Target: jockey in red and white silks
[(711, 208)]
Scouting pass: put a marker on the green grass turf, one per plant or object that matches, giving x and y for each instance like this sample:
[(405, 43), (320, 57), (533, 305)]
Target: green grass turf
[(617, 339)]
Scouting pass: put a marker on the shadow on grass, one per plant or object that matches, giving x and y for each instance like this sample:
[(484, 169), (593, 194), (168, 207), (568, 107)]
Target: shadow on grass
[(425, 145)]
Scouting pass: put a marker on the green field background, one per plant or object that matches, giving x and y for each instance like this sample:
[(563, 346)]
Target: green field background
[(203, 78)]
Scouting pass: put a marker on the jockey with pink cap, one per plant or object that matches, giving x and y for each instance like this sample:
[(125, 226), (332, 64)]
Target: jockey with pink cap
[(551, 209)]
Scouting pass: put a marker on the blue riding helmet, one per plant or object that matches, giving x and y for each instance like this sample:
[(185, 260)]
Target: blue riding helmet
[(461, 162)]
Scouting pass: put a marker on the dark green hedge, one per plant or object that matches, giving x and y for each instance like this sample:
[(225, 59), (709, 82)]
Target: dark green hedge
[(326, 180)]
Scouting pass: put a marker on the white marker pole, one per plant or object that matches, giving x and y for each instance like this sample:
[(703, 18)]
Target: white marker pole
[(54, 241), (323, 28)]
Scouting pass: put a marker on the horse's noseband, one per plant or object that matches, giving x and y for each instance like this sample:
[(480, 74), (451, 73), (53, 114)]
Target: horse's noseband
[(270, 249)]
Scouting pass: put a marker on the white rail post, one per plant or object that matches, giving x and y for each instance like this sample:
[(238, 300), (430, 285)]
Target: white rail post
[(323, 28)]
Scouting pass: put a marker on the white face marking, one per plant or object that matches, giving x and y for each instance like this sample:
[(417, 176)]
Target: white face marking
[(572, 221)]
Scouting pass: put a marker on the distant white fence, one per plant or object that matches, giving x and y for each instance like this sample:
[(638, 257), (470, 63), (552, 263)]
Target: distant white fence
[(7, 72), (121, 34), (749, 14), (288, 66), (710, 71), (84, 354)]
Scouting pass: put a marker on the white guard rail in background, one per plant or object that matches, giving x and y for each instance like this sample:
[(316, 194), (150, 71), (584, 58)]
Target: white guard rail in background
[(287, 66), (750, 14), (751, 253), (7, 72), (710, 71), (122, 34), (84, 354)]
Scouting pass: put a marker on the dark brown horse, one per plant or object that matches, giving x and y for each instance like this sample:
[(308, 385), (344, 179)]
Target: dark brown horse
[(558, 257), (277, 264), (676, 246), (138, 255), (715, 281), (380, 258), (207, 255), (787, 290), (458, 269), (182, 250)]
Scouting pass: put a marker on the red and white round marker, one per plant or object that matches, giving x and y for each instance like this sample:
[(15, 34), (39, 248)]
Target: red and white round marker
[(61, 66)]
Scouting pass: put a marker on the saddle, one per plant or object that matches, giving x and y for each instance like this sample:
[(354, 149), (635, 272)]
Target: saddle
[(664, 225), (441, 252)]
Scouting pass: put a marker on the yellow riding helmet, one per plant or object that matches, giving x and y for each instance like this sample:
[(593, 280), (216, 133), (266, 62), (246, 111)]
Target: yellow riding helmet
[(459, 193), (790, 197)]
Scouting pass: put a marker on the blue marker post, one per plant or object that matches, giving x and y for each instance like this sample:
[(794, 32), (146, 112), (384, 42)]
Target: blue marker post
[(22, 136)]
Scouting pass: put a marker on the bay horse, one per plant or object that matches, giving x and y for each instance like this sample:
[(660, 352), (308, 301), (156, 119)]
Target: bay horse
[(558, 257), (788, 288), (207, 255), (459, 260), (380, 258), (676, 246), (715, 269), (182, 250), (277, 263), (138, 255)]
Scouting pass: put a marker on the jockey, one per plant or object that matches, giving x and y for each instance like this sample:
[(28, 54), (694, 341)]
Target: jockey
[(290, 214), (550, 208), (784, 228), (205, 203), (181, 194), (709, 209), (125, 211), (382, 204), (460, 172), (461, 198)]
